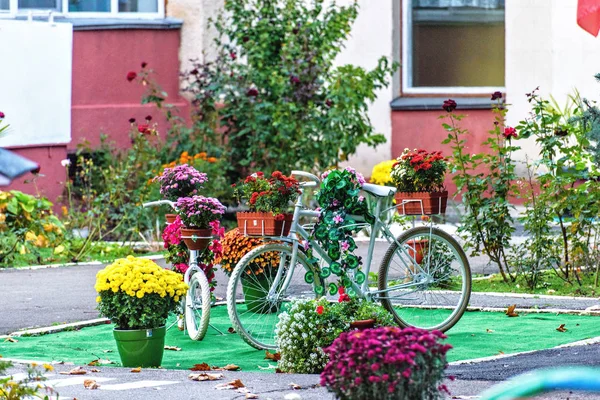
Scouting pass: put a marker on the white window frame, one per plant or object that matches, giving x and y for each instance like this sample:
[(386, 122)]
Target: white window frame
[(13, 11), (407, 87)]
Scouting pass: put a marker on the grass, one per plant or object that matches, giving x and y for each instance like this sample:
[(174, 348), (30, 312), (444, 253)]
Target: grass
[(477, 334), (548, 283)]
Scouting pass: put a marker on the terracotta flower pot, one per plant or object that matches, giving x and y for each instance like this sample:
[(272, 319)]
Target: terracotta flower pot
[(363, 324), (421, 203), (196, 239), (417, 248), (170, 218), (263, 224)]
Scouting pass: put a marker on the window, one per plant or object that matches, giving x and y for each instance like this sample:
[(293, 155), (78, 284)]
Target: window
[(87, 8), (452, 46)]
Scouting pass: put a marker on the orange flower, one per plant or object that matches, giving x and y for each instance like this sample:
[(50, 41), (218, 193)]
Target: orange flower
[(212, 160), (65, 211)]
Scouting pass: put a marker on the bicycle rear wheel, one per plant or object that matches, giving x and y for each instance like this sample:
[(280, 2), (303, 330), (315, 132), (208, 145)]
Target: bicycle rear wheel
[(197, 306), (425, 281), (253, 310)]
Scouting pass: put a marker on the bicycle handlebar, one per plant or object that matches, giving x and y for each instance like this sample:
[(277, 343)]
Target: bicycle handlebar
[(315, 180), (159, 202)]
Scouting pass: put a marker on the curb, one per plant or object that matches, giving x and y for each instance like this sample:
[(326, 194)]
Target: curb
[(57, 328), (35, 267), (584, 342)]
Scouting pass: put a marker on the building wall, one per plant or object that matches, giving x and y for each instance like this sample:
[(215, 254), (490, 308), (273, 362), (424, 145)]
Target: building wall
[(545, 47), (103, 100)]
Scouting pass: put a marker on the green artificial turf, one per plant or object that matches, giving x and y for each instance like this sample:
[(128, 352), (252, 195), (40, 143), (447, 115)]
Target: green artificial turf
[(477, 334)]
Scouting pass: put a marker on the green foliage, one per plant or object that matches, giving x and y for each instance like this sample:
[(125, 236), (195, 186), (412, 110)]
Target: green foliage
[(339, 201), (485, 181), (28, 227), (569, 192), (272, 99), (311, 325), (27, 388)]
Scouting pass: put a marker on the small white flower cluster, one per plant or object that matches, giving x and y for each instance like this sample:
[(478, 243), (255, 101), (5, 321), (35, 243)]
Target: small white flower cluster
[(300, 335)]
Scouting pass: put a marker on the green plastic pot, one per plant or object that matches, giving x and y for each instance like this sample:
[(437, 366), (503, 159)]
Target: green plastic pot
[(255, 291), (141, 347)]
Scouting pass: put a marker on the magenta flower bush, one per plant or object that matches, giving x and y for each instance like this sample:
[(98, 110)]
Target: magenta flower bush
[(386, 363), (199, 211), (180, 181)]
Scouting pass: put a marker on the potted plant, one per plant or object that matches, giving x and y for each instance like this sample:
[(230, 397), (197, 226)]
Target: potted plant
[(268, 202), (386, 363), (419, 178), (137, 295), (180, 181), (261, 273), (200, 216)]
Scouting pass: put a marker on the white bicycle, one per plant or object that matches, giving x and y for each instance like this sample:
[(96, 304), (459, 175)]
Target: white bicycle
[(197, 302)]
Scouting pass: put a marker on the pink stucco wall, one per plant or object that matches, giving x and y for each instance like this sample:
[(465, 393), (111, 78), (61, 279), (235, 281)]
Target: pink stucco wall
[(423, 129), (103, 100)]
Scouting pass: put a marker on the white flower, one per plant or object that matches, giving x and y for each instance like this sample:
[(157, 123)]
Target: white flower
[(66, 162)]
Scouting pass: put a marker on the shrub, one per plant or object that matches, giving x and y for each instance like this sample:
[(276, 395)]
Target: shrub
[(311, 325), (28, 387), (386, 363), (135, 293), (28, 226)]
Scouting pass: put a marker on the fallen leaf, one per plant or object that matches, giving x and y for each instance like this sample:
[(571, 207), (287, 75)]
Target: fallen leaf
[(295, 386), (200, 367), (562, 328), (100, 361), (279, 371), (107, 351), (136, 370), (511, 311), (251, 396), (11, 340), (174, 348), (489, 330), (236, 384), (95, 370), (272, 356), (93, 363), (75, 371), (500, 352), (230, 367), (90, 384), (231, 330), (204, 376)]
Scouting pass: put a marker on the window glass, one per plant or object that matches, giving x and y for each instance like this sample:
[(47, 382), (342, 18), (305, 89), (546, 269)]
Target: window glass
[(146, 6), (89, 5), (456, 43), (4, 5), (40, 4)]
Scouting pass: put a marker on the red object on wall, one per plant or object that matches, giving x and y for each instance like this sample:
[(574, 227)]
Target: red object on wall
[(588, 15)]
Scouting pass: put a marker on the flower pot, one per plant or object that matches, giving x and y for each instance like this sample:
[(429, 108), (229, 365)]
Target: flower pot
[(195, 238), (417, 248), (141, 347), (363, 324), (170, 218), (421, 203), (255, 290), (263, 224)]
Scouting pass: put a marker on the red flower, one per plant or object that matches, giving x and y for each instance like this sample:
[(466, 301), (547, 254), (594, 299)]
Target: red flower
[(343, 297), (496, 95), (131, 75), (148, 118), (1, 115), (252, 92), (144, 129), (449, 105), (341, 290), (279, 217), (509, 132), (144, 64), (320, 310)]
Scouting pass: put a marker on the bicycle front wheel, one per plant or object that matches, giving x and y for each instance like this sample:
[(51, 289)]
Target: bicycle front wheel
[(197, 306), (425, 279), (253, 301)]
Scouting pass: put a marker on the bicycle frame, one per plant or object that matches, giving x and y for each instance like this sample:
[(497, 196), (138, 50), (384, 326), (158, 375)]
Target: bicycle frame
[(363, 290)]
